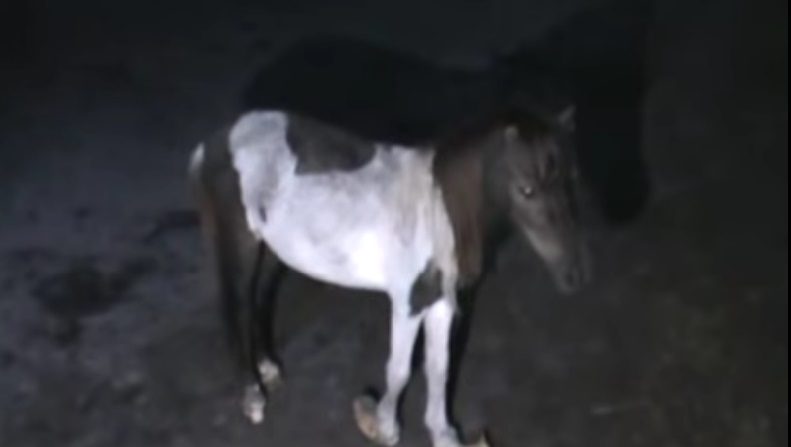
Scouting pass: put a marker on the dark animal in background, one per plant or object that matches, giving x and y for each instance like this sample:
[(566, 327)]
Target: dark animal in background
[(376, 92), (594, 60)]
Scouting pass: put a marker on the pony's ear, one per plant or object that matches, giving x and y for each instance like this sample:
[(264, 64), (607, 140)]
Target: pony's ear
[(566, 118)]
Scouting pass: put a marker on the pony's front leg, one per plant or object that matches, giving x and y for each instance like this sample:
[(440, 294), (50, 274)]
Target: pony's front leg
[(438, 322), (378, 421)]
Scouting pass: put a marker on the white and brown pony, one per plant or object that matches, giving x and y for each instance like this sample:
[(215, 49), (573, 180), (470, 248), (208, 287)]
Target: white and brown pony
[(277, 188)]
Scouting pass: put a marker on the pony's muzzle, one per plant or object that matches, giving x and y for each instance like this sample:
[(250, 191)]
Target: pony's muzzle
[(572, 274)]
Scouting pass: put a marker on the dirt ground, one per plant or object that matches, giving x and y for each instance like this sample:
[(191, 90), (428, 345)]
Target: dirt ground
[(109, 334)]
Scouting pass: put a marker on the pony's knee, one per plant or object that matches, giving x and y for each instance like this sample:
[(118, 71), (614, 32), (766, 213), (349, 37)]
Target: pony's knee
[(398, 372)]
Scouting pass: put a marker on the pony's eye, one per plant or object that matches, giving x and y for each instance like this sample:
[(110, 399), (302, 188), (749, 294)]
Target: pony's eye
[(527, 191)]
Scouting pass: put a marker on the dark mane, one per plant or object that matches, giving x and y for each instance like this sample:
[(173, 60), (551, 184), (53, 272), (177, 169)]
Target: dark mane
[(459, 169)]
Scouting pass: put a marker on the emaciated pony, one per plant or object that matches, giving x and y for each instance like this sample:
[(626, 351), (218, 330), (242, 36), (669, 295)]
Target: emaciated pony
[(277, 188)]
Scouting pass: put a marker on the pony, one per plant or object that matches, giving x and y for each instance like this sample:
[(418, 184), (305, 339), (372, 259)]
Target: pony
[(279, 189)]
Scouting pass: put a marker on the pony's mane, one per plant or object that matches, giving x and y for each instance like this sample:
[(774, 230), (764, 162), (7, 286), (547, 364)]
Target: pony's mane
[(459, 169)]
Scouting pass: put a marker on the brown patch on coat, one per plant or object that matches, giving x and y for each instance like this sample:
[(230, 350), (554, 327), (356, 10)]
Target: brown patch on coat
[(320, 147), (459, 172), (426, 289)]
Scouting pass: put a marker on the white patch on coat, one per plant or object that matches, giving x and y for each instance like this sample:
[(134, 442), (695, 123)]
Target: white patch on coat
[(262, 159), (372, 228)]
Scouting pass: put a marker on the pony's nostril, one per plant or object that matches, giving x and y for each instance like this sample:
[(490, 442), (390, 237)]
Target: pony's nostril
[(573, 277)]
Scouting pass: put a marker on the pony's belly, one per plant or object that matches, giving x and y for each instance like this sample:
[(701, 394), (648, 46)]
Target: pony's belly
[(354, 260)]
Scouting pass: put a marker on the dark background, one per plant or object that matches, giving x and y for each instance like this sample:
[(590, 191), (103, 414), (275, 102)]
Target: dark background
[(108, 329)]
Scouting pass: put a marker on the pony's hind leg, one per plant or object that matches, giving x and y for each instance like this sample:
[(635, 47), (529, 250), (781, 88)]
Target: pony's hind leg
[(378, 420), (254, 329), (246, 274), (263, 294)]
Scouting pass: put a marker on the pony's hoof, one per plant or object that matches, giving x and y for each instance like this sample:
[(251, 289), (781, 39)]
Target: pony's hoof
[(270, 374), (368, 422), (254, 404)]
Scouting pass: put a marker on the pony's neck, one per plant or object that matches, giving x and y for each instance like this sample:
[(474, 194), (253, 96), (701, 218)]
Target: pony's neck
[(463, 173)]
